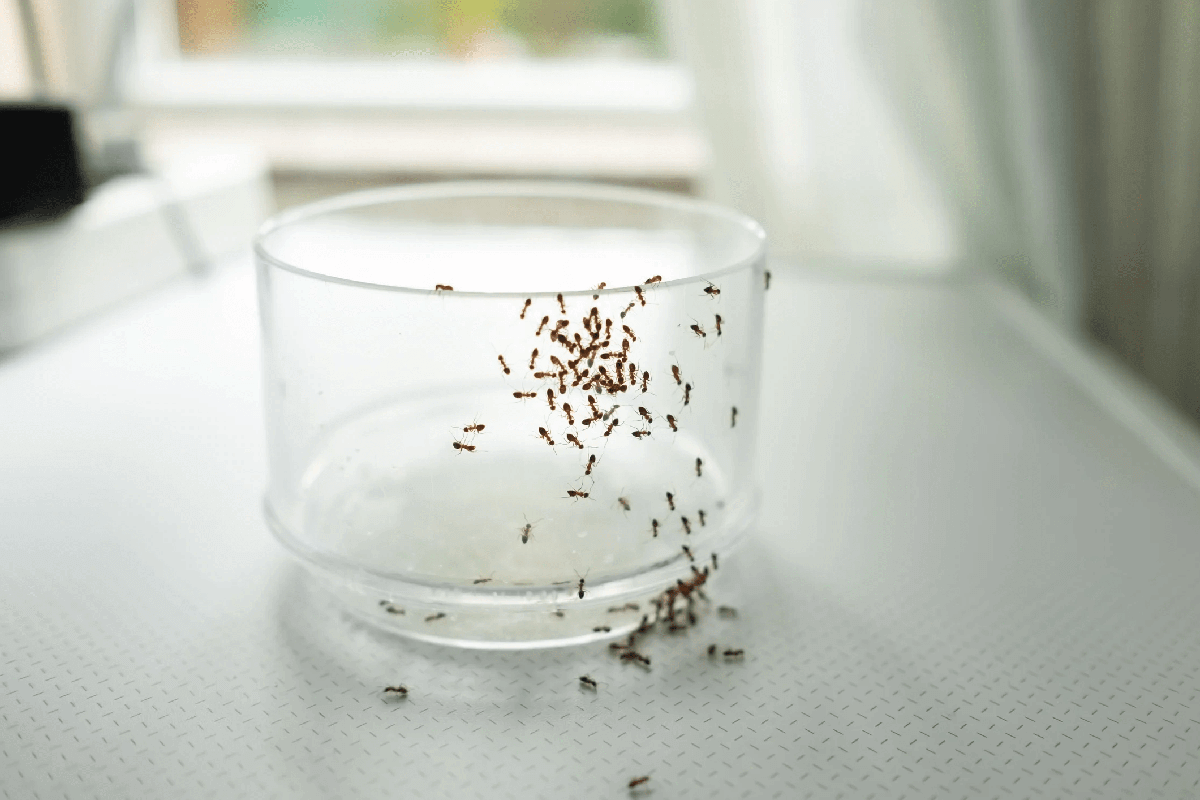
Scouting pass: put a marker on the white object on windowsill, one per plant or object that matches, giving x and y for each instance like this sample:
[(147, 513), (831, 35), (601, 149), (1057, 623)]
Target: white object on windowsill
[(131, 234)]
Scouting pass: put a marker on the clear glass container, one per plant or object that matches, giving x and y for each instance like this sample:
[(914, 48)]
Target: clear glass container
[(477, 465)]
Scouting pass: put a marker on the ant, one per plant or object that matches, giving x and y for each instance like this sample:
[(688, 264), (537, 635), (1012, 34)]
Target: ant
[(671, 422), (687, 551), (543, 375), (528, 303), (507, 371), (633, 655), (711, 290), (676, 627), (441, 287), (550, 399), (729, 612), (687, 526), (523, 395), (766, 279), (687, 393), (390, 608), (527, 530), (573, 439), (712, 651), (601, 629), (581, 577), (654, 527), (655, 279), (558, 612), (700, 514), (438, 615), (546, 435), (532, 359), (645, 381), (612, 425), (629, 332), (698, 330), (640, 434), (671, 500), (588, 682), (478, 581), (599, 288), (718, 324), (636, 782), (544, 323), (626, 311), (592, 405), (626, 607), (733, 417), (401, 690), (460, 447), (638, 291), (675, 372), (739, 653), (474, 428), (623, 502), (561, 304), (578, 495), (645, 414), (567, 411), (699, 468), (625, 347), (591, 462)]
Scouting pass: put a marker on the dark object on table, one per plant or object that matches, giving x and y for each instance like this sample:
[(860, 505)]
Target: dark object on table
[(43, 177)]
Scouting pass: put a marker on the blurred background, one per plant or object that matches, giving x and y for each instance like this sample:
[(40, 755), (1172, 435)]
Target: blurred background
[(1052, 143)]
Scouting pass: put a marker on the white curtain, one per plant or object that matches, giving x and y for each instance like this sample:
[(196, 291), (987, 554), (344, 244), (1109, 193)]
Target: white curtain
[(1055, 142)]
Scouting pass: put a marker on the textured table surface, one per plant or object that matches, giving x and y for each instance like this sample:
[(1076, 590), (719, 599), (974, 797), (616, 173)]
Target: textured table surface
[(975, 576)]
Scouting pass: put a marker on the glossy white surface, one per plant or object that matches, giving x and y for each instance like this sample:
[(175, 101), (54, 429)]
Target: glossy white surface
[(975, 576)]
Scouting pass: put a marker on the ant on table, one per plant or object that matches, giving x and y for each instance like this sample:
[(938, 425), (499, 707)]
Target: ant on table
[(527, 530)]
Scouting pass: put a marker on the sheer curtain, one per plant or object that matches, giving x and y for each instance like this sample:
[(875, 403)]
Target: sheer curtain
[(1055, 142)]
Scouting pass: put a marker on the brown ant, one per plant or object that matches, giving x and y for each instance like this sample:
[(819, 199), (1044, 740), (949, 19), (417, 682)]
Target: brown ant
[(671, 500), (401, 690), (533, 358), (577, 495), (687, 526), (699, 468), (698, 330), (676, 627), (573, 439), (460, 447), (544, 323), (591, 462), (507, 371), (390, 607), (629, 332), (626, 311), (645, 381), (687, 551), (599, 288), (711, 290), (638, 291), (733, 417), (441, 287), (640, 434), (626, 607), (645, 414), (671, 422), (592, 405), (739, 653), (438, 615), (523, 395), (561, 304), (601, 629), (567, 411), (588, 682), (550, 399), (528, 303), (729, 612), (545, 434), (623, 502), (611, 425), (474, 428), (625, 347), (718, 324), (675, 372), (655, 279), (633, 655), (687, 393), (543, 375), (636, 782), (700, 514), (654, 527)]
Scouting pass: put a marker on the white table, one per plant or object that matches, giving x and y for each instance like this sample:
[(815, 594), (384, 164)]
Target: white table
[(976, 575)]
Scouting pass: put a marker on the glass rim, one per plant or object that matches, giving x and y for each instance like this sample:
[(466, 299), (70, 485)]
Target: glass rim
[(509, 188)]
